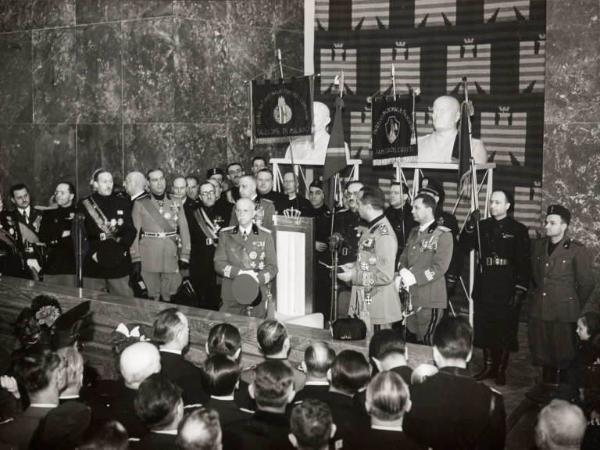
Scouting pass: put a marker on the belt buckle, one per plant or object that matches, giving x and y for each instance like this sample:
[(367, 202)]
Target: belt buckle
[(162, 234)]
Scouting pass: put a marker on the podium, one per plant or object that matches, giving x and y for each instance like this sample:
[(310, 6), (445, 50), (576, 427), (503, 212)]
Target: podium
[(295, 242)]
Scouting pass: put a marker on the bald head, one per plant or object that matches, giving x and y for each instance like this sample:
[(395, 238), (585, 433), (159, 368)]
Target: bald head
[(138, 362), (200, 430), (135, 183), (247, 187), (446, 112), (318, 358), (561, 425)]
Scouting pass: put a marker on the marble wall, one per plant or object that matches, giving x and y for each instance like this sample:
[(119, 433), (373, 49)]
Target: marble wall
[(129, 84), (572, 116)]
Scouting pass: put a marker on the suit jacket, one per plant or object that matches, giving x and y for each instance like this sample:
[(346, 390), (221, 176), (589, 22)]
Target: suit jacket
[(375, 267), (159, 254), (234, 254), (228, 410), (562, 283), (155, 441), (450, 410), (265, 210), (427, 255), (264, 430), (318, 391), (184, 374), (382, 439), (345, 415)]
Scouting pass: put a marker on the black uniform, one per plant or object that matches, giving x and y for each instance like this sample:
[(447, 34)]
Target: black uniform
[(58, 233), (185, 375), (263, 430), (118, 212), (24, 233), (450, 410), (11, 252), (322, 296), (224, 207), (504, 268), (402, 221), (448, 220), (228, 410), (232, 195), (275, 197), (347, 225), (300, 203)]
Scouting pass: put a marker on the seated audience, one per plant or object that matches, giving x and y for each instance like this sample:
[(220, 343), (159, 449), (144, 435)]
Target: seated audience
[(387, 401), (160, 407), (311, 426), (73, 363), (220, 377), (44, 424), (172, 330), (318, 358), (435, 420), (110, 436), (272, 389), (348, 375), (200, 431), (560, 426)]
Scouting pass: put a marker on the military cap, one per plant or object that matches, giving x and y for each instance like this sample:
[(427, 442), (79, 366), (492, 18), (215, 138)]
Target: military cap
[(431, 187), (316, 184), (561, 211), (215, 171)]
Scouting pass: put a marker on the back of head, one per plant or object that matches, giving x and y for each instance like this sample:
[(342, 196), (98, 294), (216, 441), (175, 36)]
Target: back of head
[(350, 372), (158, 402), (138, 362), (561, 425), (200, 430), (35, 369), (271, 336), (220, 375), (318, 358), (385, 342), (224, 339), (73, 362), (373, 196), (110, 436), (387, 396), (310, 423), (453, 338), (272, 385), (166, 325)]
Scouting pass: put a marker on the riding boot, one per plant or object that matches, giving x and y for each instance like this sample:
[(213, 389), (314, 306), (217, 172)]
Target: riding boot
[(489, 367), (502, 366)]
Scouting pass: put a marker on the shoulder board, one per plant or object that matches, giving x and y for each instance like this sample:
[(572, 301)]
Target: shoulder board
[(443, 228), (44, 208), (383, 229), (572, 242), (227, 228), (266, 200), (266, 230), (250, 367)]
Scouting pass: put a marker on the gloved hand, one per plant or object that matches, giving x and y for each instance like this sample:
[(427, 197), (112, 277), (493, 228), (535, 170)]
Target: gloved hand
[(183, 265), (517, 298), (136, 269)]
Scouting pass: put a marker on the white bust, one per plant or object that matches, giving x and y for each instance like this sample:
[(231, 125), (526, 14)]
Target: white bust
[(437, 147), (312, 149)]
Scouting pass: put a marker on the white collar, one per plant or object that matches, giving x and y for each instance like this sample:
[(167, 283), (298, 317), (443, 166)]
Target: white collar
[(27, 210), (169, 350), (316, 383), (43, 405), (170, 432), (222, 397), (384, 428), (427, 225), (69, 397), (246, 230)]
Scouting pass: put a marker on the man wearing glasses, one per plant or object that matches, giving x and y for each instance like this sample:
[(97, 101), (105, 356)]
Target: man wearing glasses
[(205, 220)]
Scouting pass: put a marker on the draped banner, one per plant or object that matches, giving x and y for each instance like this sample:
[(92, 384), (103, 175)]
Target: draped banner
[(498, 44), (392, 129)]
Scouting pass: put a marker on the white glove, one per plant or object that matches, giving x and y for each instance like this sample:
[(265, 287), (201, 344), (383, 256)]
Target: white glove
[(407, 277), (34, 265)]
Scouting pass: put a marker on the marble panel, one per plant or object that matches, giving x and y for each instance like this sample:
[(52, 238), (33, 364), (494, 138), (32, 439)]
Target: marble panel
[(571, 174), (212, 10), (15, 15), (198, 147), (201, 72), (99, 73), (98, 146), (572, 67), (94, 11), (149, 50), (148, 146), (136, 9), (16, 155), (15, 78), (291, 44), (288, 14), (560, 13), (54, 76), (53, 13)]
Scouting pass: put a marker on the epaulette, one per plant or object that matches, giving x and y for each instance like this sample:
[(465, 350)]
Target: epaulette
[(263, 199), (383, 229), (266, 230), (443, 228), (569, 242), (227, 229)]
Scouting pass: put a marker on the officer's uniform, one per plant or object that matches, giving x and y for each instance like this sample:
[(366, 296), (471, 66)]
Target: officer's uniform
[(204, 225), (109, 235), (374, 269), (163, 239), (504, 269), (265, 210), (452, 411), (254, 252), (224, 209), (427, 255), (402, 222), (57, 231), (24, 226), (562, 283), (276, 197)]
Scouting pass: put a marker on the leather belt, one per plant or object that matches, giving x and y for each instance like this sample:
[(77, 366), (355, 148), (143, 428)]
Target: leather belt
[(162, 234), (495, 261)]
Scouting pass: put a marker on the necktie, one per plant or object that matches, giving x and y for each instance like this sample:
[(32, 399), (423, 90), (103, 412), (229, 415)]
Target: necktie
[(245, 235), (25, 217)]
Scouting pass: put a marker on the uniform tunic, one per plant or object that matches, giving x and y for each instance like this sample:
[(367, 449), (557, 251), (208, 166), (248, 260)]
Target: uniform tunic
[(56, 231), (402, 222), (562, 283), (504, 268)]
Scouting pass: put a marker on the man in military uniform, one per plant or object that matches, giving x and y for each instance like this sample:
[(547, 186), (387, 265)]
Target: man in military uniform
[(204, 221), (265, 210), (162, 247), (501, 283), (57, 232), (372, 275), (109, 232), (264, 187), (235, 172), (562, 283), (422, 266), (399, 215), (135, 185), (322, 224), (246, 248), (221, 203)]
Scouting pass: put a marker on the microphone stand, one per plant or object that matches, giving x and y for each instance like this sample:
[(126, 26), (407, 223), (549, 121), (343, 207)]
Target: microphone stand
[(79, 248)]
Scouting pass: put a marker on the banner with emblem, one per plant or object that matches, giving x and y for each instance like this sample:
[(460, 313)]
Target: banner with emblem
[(392, 129), (281, 109)]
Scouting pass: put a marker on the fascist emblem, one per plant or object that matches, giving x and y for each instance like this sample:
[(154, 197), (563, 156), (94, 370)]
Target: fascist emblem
[(282, 113), (392, 129)]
